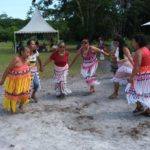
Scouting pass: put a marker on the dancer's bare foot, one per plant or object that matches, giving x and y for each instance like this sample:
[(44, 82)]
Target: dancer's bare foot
[(92, 90), (35, 100), (22, 109), (13, 112), (147, 113), (113, 96)]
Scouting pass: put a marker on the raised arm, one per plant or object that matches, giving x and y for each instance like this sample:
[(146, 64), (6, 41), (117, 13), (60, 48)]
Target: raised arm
[(74, 59), (8, 69), (96, 50)]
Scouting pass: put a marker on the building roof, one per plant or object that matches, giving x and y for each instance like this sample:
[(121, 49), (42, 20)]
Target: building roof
[(146, 24), (36, 25)]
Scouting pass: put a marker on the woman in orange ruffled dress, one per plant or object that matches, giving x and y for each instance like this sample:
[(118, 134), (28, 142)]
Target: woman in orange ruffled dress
[(17, 82), (138, 91)]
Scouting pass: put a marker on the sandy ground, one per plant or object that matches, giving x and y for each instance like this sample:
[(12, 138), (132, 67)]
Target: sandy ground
[(78, 122)]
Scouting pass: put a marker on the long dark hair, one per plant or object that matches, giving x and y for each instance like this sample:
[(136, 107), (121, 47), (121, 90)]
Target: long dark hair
[(122, 44)]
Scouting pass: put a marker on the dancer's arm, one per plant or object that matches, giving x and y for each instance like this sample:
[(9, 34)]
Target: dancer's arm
[(8, 69), (74, 59), (138, 60), (95, 49), (40, 63), (47, 61)]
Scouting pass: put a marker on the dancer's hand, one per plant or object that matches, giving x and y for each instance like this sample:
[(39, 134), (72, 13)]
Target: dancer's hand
[(41, 69), (131, 80), (113, 57), (107, 54), (1, 82), (70, 66), (103, 52)]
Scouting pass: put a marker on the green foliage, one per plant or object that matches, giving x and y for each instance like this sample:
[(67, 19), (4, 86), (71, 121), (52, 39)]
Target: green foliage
[(7, 54), (137, 15), (62, 26), (8, 26), (93, 18), (49, 69), (78, 19)]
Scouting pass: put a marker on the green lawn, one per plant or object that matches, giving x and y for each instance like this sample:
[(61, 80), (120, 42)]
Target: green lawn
[(7, 52), (48, 71)]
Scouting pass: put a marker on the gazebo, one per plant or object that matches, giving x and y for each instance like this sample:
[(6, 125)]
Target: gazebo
[(37, 25)]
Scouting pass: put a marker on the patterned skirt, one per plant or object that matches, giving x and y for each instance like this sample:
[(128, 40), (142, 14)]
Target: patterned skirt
[(60, 80), (123, 73), (88, 71), (140, 90), (17, 88)]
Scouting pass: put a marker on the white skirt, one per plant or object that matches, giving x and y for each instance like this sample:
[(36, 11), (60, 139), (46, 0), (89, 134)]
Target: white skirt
[(88, 71), (60, 80), (123, 73), (140, 90)]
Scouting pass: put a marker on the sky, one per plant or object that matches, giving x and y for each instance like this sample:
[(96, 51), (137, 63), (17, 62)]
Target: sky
[(15, 8)]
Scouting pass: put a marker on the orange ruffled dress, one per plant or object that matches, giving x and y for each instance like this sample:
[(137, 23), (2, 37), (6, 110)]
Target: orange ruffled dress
[(140, 90), (17, 87)]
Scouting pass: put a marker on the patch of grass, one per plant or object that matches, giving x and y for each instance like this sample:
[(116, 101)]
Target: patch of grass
[(74, 70), (7, 53)]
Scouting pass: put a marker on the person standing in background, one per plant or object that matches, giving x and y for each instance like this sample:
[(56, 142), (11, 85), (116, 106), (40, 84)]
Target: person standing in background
[(113, 59), (33, 59), (101, 46)]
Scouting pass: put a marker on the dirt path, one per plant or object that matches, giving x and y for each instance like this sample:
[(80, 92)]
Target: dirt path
[(77, 122)]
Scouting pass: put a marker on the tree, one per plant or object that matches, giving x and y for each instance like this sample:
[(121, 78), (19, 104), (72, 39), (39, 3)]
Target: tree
[(3, 16), (8, 25), (93, 18), (84, 15), (44, 6)]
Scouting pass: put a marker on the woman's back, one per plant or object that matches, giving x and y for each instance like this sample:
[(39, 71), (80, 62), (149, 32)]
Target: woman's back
[(146, 56)]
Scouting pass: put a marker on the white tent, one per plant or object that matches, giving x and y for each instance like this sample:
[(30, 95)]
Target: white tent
[(146, 24), (37, 25)]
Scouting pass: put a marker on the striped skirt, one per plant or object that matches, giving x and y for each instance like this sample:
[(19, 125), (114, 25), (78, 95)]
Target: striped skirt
[(88, 71), (60, 80), (123, 73), (140, 90)]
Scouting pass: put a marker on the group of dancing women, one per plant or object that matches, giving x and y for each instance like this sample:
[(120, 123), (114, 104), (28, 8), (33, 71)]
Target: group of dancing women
[(21, 79)]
